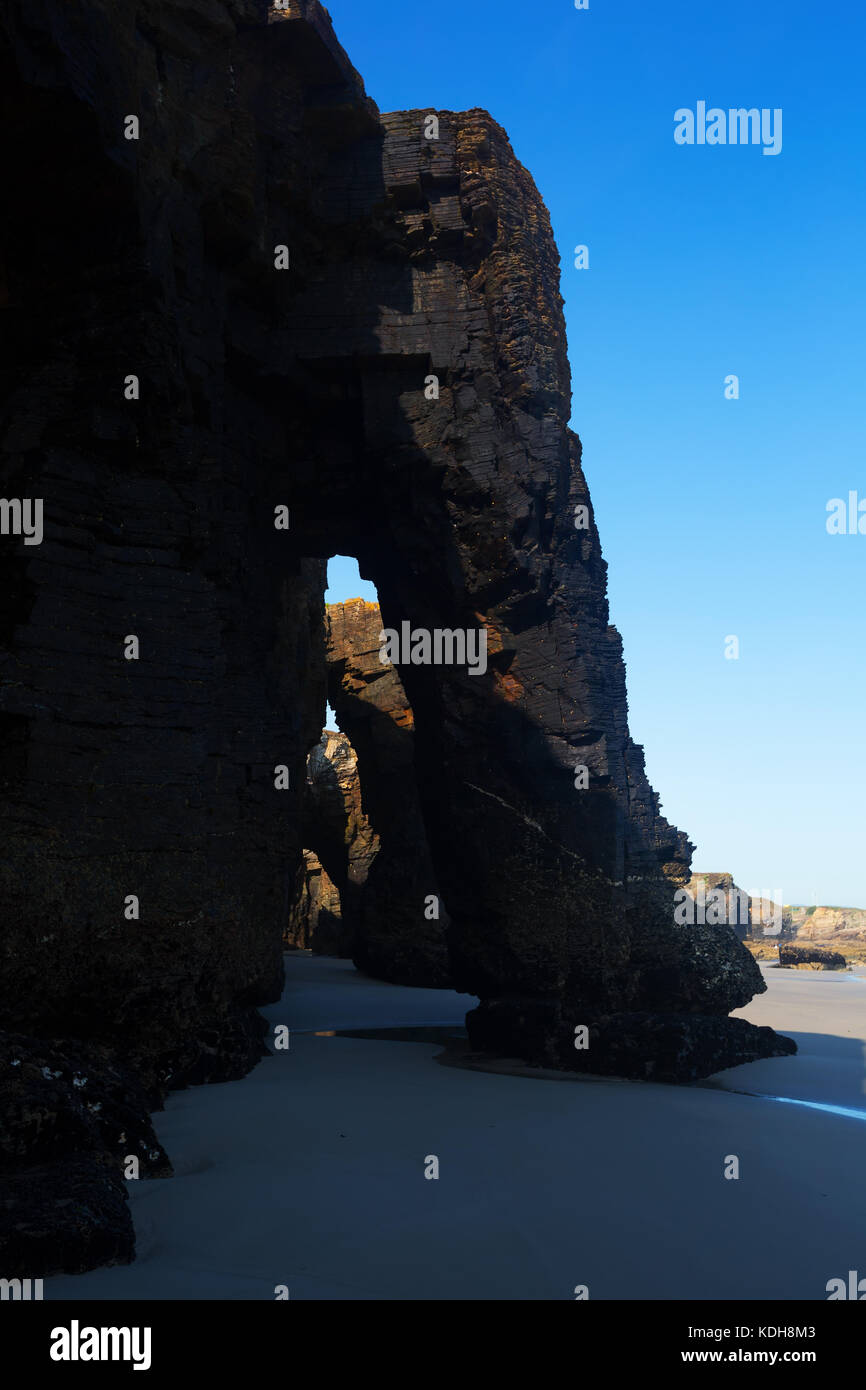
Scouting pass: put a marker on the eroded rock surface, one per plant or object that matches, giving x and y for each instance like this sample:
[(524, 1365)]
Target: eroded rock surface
[(131, 348), (797, 957), (402, 919), (325, 916), (74, 1128), (315, 921), (275, 298)]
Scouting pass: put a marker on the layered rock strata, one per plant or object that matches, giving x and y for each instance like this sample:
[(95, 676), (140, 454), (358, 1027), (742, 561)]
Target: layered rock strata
[(147, 852), (325, 916), (246, 323), (315, 921), (843, 925), (402, 921)]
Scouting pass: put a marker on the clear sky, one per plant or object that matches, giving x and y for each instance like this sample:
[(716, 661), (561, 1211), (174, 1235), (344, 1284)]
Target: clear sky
[(704, 261), (344, 581)]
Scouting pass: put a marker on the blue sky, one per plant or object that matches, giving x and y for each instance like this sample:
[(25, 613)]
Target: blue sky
[(704, 262)]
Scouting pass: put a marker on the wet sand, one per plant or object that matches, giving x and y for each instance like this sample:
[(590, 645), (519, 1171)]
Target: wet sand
[(310, 1172)]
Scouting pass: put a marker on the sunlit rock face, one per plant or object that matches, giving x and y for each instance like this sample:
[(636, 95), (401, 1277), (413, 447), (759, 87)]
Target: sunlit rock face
[(278, 326), (842, 926), (717, 898)]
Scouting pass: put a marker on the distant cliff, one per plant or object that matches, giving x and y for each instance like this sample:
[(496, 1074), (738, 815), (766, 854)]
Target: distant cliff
[(837, 924), (753, 918), (762, 920)]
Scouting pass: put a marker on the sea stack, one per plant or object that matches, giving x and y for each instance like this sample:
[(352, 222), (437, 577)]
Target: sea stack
[(249, 322)]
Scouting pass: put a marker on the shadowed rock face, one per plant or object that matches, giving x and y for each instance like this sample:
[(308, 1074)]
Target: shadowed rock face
[(465, 518), (311, 388), (316, 921), (402, 921), (326, 913), (74, 1125), (810, 958)]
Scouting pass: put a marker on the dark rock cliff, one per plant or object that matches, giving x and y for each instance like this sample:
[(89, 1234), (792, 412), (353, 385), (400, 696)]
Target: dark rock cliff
[(276, 298)]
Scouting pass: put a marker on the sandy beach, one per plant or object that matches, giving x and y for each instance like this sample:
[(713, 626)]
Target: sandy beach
[(310, 1173)]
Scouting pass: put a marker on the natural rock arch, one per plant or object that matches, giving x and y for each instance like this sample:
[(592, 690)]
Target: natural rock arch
[(402, 386)]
